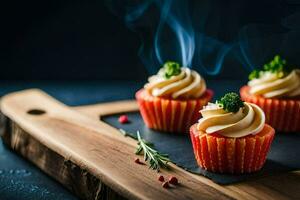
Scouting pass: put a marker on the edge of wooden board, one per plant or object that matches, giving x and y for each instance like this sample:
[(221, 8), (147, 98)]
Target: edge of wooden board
[(270, 187), (79, 181), (14, 107)]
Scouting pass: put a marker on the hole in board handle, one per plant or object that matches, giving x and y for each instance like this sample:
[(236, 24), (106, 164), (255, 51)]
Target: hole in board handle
[(36, 112)]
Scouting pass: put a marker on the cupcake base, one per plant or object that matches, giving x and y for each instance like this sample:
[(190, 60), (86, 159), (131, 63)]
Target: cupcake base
[(281, 114), (170, 115), (220, 154)]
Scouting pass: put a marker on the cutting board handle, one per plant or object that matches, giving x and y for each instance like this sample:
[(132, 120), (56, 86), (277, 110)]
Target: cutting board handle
[(31, 107), (83, 152), (28, 102)]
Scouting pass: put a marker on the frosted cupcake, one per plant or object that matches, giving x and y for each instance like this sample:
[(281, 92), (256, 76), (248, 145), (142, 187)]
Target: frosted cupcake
[(276, 89), (231, 136), (171, 99)]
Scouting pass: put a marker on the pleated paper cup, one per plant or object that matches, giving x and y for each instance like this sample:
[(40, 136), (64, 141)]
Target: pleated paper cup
[(220, 154), (170, 115), (281, 114)]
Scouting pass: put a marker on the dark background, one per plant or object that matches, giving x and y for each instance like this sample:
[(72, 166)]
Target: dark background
[(84, 40), (65, 39)]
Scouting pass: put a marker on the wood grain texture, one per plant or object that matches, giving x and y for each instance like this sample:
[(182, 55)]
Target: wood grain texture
[(88, 156), (283, 186)]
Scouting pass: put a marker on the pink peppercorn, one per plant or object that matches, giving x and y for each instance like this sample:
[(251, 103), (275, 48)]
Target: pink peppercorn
[(173, 180), (165, 185), (161, 178), (123, 119), (137, 161)]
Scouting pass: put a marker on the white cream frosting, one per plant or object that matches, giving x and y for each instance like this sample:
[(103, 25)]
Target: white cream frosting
[(250, 119), (187, 84), (269, 85)]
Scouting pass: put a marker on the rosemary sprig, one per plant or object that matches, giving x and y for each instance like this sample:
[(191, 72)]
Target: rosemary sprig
[(154, 158), (126, 134)]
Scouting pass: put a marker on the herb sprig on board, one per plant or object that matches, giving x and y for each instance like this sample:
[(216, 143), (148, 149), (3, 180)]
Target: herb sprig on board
[(155, 159)]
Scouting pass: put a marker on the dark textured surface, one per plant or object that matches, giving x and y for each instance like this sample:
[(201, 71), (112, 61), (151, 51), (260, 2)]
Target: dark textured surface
[(283, 156), (19, 179)]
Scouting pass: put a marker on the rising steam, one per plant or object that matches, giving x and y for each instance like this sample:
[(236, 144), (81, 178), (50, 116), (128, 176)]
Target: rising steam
[(208, 37)]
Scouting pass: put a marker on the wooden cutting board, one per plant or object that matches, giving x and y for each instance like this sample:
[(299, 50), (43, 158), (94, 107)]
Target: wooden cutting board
[(91, 159)]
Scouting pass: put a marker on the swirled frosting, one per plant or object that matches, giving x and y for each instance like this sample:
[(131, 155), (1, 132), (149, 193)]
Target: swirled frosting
[(248, 120), (187, 84), (269, 85)]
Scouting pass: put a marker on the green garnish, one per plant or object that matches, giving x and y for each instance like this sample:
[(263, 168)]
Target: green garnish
[(127, 134), (231, 102), (171, 69), (276, 66), (154, 158), (254, 74)]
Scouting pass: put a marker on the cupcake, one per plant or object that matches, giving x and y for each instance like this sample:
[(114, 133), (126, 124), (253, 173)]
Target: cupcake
[(276, 89), (231, 137), (171, 99)]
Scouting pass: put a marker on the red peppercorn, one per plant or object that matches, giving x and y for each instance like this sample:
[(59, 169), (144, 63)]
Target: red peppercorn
[(137, 161), (161, 178), (165, 185), (173, 180), (123, 119)]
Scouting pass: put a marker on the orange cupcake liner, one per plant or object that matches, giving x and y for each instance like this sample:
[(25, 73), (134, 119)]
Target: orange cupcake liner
[(219, 154), (170, 115), (281, 114)]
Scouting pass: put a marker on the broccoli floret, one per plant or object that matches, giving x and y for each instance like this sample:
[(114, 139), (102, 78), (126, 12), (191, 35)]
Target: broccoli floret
[(277, 66), (171, 69), (254, 74), (231, 102)]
